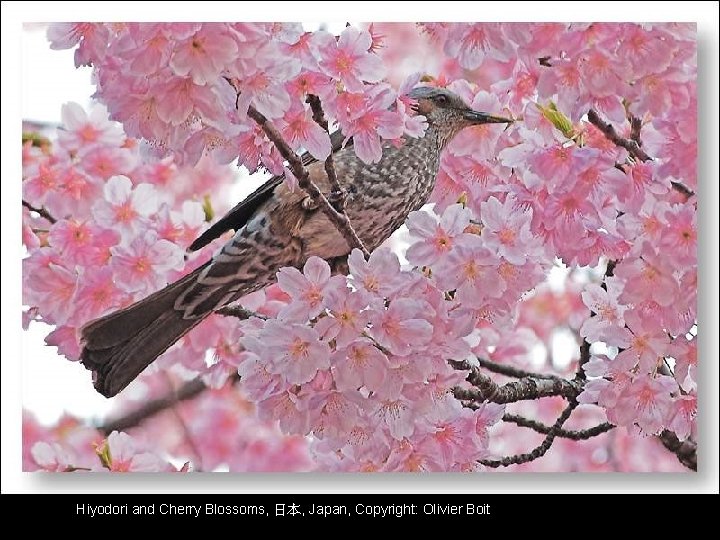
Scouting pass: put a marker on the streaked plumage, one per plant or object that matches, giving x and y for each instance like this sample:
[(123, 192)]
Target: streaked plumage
[(275, 229)]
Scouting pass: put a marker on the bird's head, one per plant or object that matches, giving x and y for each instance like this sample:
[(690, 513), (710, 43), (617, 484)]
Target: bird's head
[(448, 113)]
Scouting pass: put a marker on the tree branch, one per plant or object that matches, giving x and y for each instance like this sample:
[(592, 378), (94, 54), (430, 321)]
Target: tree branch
[(510, 371), (526, 388), (635, 128), (632, 145), (686, 451), (337, 193), (682, 188), (187, 391), (575, 435), (340, 220), (43, 213), (538, 451), (608, 130)]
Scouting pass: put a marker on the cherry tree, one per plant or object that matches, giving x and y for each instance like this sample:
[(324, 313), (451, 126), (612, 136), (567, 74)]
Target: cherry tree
[(437, 352)]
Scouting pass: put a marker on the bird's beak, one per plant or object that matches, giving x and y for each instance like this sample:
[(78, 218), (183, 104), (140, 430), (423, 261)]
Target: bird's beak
[(484, 118)]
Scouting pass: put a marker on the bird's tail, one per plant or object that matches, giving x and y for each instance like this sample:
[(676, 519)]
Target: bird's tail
[(119, 346)]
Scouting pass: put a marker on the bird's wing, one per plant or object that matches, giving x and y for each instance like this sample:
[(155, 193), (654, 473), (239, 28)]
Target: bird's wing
[(243, 211)]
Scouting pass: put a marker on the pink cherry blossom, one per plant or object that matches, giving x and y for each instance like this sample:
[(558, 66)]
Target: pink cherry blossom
[(473, 270), (295, 352), (681, 416), (349, 318), (204, 55), (302, 130), (607, 322), (125, 207), (372, 123), (96, 295), (52, 457), (646, 278), (92, 38), (471, 42), (401, 328), (646, 401), (141, 266), (82, 129), (378, 276), (437, 238), (308, 289), (648, 343), (349, 59), (508, 229), (123, 455), (361, 364)]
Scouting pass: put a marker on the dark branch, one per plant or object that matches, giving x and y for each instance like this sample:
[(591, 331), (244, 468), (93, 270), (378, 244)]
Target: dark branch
[(686, 451), (538, 451), (187, 391), (584, 359), (41, 211), (337, 193), (575, 435), (544, 61), (151, 408), (340, 220), (632, 145), (635, 128), (682, 188), (608, 130), (485, 389), (510, 371)]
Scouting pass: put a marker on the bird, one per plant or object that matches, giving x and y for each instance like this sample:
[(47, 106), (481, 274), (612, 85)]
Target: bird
[(275, 227)]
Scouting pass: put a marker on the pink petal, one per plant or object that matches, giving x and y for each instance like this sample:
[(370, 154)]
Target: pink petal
[(317, 270), (317, 142)]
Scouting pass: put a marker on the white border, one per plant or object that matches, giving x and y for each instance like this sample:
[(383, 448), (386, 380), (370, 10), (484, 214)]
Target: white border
[(704, 13)]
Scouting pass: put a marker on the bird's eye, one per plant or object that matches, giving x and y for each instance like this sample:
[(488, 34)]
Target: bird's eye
[(441, 99)]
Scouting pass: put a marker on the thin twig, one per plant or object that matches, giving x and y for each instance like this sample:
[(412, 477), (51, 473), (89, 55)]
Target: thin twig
[(608, 130), (43, 213), (197, 462), (632, 145), (682, 188), (635, 127), (337, 193), (341, 221), (539, 450), (575, 435), (185, 430), (510, 371)]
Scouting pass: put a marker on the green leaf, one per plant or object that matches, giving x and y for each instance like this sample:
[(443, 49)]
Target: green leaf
[(37, 140), (208, 209), (103, 452), (557, 119)]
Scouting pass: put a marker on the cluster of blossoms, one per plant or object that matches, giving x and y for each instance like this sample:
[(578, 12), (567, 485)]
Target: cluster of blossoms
[(357, 367), (218, 430), (187, 87), (72, 446), (590, 201), (112, 232)]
